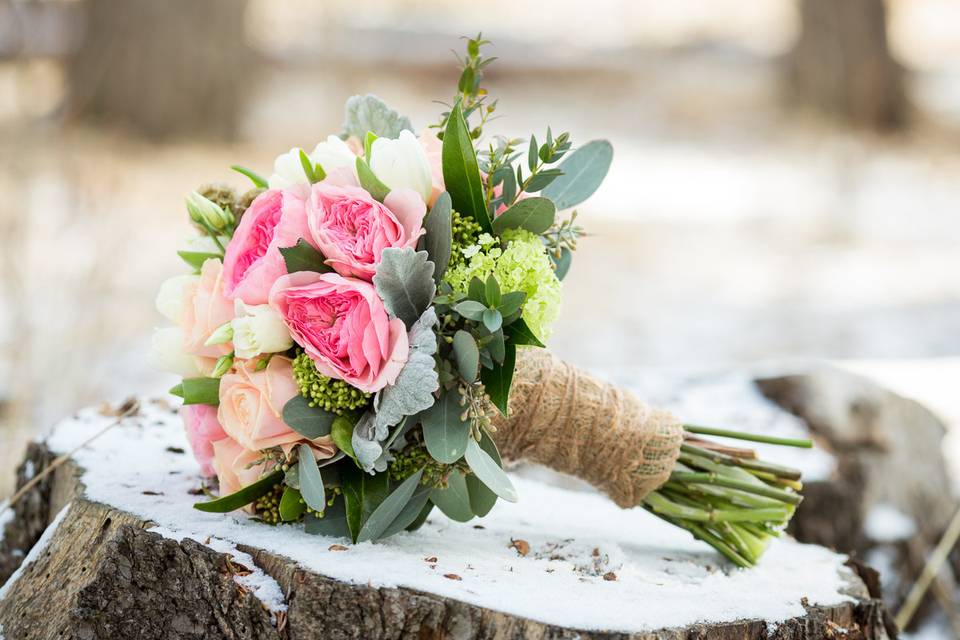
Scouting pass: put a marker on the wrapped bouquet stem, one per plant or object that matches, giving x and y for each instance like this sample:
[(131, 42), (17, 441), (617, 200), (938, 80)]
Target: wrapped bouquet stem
[(362, 336)]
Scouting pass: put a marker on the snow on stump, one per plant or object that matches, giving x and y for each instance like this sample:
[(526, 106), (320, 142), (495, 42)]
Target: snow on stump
[(108, 546)]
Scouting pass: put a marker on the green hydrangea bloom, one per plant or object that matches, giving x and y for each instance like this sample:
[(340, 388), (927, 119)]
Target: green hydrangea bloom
[(523, 265), (332, 395)]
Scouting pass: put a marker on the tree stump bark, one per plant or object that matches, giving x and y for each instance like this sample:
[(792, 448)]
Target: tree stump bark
[(104, 568)]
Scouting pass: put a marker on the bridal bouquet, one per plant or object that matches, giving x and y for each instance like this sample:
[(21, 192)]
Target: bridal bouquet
[(361, 339)]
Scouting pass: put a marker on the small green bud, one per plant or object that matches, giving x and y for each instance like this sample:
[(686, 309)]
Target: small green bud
[(224, 363), (223, 333), (205, 211)]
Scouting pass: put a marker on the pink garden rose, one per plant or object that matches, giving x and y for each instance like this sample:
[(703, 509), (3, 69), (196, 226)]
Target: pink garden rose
[(351, 229), (343, 326), (205, 309), (203, 430), (275, 220)]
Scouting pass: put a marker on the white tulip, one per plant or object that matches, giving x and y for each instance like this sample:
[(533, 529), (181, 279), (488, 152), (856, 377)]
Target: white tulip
[(288, 171), (166, 353), (402, 163), (333, 154), (258, 329), (170, 297)]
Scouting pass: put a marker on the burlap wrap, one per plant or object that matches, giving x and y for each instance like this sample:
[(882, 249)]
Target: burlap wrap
[(566, 419)]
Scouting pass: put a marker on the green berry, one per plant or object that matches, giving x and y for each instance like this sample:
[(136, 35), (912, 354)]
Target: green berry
[(335, 396)]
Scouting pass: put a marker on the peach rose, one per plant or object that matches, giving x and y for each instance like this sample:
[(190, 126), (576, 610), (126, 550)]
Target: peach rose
[(434, 149), (251, 404), (205, 308), (234, 466)]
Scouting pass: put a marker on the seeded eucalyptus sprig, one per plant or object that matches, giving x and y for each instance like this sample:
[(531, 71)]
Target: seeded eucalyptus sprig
[(470, 93)]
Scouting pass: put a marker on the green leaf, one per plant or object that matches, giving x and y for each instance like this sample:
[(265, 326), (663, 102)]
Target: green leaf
[(422, 517), (196, 258), (258, 181), (342, 434), (201, 391), (370, 113), (445, 433), (497, 348), (454, 501), (467, 354), (404, 280), (533, 214), (461, 173), (532, 153), (310, 422), (291, 508), (497, 381), (376, 488), (243, 497), (482, 498), (489, 472), (303, 257), (583, 172), (439, 235), (519, 333), (540, 181), (311, 483), (492, 320), (314, 172), (352, 488), (370, 182), (368, 144), (492, 291), (388, 510), (470, 309), (333, 523), (511, 302), (409, 514), (476, 290), (562, 264)]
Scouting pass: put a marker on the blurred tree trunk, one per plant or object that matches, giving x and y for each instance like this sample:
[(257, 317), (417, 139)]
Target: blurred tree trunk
[(162, 68), (841, 65)]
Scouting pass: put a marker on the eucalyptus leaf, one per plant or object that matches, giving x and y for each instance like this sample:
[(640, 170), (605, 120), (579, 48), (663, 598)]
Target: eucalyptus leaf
[(562, 264), (482, 499), (410, 512), (467, 354), (291, 508), (444, 432), (303, 257), (243, 497), (477, 290), (404, 280), (388, 510), (540, 181), (489, 472), (370, 113), (461, 173), (511, 302), (470, 309), (533, 214), (311, 483), (497, 380), (439, 234), (333, 523), (492, 320), (454, 500), (492, 291), (497, 348), (370, 182), (310, 422), (583, 172), (422, 516)]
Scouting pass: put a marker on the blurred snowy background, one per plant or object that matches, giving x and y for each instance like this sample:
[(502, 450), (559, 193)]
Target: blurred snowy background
[(786, 181)]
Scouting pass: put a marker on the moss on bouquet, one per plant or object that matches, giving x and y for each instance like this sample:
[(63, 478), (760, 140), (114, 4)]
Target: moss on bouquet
[(361, 331)]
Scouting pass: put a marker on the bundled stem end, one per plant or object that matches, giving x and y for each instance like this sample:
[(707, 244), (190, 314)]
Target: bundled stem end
[(726, 497)]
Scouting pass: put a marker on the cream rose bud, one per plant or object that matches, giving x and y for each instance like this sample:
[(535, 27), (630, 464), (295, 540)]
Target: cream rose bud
[(171, 296), (402, 163), (334, 154), (166, 353), (258, 329), (288, 171)]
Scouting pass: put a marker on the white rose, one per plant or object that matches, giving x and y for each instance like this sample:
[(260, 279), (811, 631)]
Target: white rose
[(402, 163), (203, 244), (170, 297), (288, 171), (333, 154), (258, 329), (166, 353)]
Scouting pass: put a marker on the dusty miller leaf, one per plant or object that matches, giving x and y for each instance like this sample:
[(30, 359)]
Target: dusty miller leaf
[(404, 281), (370, 113)]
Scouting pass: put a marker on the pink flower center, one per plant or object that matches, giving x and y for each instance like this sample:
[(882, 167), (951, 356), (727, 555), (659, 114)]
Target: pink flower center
[(258, 242)]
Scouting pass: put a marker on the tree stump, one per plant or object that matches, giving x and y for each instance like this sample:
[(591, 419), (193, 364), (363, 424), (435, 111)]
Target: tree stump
[(108, 546)]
